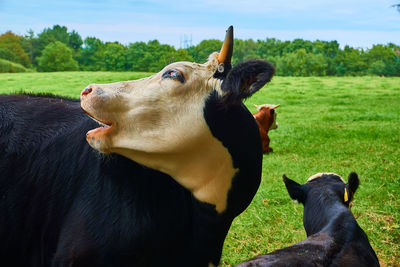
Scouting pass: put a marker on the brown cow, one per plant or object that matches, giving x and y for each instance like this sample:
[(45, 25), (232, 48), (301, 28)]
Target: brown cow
[(266, 120)]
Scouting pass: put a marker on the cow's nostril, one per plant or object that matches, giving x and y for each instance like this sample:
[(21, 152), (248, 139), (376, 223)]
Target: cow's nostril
[(86, 91)]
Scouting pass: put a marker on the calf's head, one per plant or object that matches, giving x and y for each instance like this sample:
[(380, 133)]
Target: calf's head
[(321, 196), (323, 185), (171, 121)]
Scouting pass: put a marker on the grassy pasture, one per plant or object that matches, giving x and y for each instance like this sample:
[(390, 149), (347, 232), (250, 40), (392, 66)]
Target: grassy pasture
[(327, 124)]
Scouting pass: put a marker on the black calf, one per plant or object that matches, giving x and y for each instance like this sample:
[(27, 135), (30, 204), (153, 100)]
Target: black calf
[(333, 236)]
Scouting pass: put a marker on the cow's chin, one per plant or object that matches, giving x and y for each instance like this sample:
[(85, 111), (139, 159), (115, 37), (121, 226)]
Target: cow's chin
[(99, 138)]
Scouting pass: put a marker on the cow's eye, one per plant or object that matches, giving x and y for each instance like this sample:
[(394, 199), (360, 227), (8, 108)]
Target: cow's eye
[(174, 74)]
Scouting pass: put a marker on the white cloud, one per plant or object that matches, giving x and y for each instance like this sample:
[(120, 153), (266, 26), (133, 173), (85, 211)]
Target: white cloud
[(133, 32), (353, 38), (356, 22)]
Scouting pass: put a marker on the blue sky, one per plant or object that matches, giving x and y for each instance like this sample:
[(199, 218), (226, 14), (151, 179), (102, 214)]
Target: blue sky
[(358, 23)]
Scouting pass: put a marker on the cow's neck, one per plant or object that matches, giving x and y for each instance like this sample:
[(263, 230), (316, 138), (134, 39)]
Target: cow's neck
[(328, 216), (207, 172), (205, 168)]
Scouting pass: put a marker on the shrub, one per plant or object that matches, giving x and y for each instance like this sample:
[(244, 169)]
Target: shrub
[(8, 66), (57, 56)]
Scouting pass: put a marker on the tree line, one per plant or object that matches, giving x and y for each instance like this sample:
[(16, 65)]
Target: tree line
[(57, 49)]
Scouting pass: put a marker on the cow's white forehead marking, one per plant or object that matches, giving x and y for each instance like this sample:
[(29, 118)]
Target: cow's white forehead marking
[(271, 106), (320, 174)]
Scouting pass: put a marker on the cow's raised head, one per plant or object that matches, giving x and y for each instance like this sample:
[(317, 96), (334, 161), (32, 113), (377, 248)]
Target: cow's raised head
[(188, 121)]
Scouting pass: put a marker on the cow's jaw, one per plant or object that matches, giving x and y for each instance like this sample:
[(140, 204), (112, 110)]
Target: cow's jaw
[(205, 168), (97, 137)]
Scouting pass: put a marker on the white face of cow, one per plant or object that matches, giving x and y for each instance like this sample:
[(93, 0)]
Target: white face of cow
[(159, 114), (160, 121)]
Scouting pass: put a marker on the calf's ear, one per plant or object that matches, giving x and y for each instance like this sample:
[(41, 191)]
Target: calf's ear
[(294, 189), (245, 79), (353, 182)]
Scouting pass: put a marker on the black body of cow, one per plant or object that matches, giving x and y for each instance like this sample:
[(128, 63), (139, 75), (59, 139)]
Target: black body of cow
[(64, 204), (334, 237)]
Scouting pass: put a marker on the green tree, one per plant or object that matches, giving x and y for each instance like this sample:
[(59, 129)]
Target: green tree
[(386, 55), (317, 65), (56, 33), (57, 56), (271, 47), (114, 57), (11, 49), (182, 55), (135, 56), (91, 55), (158, 55), (244, 49), (49, 35), (74, 40), (153, 56), (301, 63), (201, 51), (330, 51), (377, 68), (297, 44), (351, 61), (28, 42)]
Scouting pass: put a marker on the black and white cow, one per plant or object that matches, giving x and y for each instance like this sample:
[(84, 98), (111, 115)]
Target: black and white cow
[(334, 237), (180, 158)]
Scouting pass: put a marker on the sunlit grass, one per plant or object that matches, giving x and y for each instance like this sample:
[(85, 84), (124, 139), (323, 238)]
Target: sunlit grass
[(68, 84), (326, 124), (329, 124)]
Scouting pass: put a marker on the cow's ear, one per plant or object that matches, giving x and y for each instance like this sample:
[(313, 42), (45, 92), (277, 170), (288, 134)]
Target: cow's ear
[(294, 189), (274, 107), (353, 182), (245, 79)]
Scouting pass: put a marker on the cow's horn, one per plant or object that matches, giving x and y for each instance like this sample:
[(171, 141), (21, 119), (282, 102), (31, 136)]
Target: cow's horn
[(225, 54)]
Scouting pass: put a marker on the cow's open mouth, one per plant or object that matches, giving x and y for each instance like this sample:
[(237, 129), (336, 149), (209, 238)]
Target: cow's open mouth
[(105, 126)]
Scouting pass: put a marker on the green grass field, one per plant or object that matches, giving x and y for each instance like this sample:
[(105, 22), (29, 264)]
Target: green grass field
[(329, 124)]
